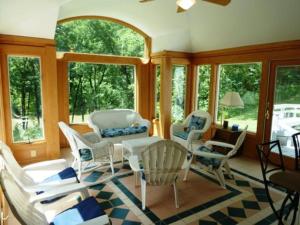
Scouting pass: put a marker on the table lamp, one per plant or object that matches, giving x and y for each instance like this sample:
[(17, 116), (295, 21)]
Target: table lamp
[(230, 99)]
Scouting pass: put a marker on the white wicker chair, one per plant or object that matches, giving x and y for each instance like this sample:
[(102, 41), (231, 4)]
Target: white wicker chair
[(161, 162), (193, 134), (27, 209), (215, 162), (99, 152), (32, 177)]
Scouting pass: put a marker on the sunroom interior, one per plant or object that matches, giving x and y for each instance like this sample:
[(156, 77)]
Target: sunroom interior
[(60, 60)]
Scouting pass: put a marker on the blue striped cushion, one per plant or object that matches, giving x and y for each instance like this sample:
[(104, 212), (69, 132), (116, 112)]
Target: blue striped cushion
[(114, 132), (67, 173), (85, 154), (213, 162), (86, 210)]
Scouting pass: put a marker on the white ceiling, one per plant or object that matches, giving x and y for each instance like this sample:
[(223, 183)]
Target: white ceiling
[(204, 27)]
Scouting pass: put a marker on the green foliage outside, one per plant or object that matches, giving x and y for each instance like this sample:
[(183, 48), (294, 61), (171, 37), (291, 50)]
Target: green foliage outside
[(98, 37), (244, 79), (204, 72), (287, 85), (25, 96), (97, 86), (178, 93)]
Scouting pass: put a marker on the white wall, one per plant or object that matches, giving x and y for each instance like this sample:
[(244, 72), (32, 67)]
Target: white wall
[(33, 18)]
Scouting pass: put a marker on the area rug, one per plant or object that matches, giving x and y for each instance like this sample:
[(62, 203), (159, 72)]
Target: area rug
[(201, 199)]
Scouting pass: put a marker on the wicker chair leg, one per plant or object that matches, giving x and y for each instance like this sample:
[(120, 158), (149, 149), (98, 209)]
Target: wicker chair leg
[(220, 176), (187, 169), (228, 170), (143, 190), (79, 168), (176, 195), (112, 164)]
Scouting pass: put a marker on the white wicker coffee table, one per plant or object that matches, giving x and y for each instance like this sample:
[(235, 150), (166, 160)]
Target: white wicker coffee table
[(135, 146)]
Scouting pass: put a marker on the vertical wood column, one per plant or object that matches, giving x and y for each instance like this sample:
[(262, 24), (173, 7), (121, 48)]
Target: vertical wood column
[(165, 97), (2, 118), (191, 87), (142, 91), (50, 97)]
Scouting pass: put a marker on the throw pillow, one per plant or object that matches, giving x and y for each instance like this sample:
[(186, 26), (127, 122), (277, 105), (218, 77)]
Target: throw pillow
[(196, 123)]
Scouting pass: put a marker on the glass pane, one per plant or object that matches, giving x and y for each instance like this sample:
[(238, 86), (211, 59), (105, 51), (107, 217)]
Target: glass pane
[(204, 72), (98, 37), (97, 87), (178, 92), (157, 91), (245, 80), (286, 109), (25, 98)]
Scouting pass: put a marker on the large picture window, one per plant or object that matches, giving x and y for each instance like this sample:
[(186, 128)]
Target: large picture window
[(245, 80), (178, 92), (99, 86), (203, 85), (25, 98)]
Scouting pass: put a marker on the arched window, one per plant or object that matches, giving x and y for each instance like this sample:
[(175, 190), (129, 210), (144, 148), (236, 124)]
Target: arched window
[(99, 36)]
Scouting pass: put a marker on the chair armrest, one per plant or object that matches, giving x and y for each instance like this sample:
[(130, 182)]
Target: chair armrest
[(176, 127), (134, 163), (61, 191), (92, 137), (95, 128), (48, 165), (210, 155), (102, 149), (218, 143), (144, 122), (49, 185)]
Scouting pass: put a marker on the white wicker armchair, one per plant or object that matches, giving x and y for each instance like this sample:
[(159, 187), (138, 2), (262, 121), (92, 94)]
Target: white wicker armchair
[(88, 151), (185, 135), (208, 158), (161, 162)]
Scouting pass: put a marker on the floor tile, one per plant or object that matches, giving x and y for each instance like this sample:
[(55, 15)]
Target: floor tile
[(119, 213)]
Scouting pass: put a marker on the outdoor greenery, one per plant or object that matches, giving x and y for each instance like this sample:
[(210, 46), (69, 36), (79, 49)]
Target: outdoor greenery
[(98, 37), (98, 86), (178, 92), (25, 97), (204, 72), (244, 79), (288, 85)]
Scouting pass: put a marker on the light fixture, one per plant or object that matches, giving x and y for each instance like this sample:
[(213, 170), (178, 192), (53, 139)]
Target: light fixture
[(230, 99), (185, 4)]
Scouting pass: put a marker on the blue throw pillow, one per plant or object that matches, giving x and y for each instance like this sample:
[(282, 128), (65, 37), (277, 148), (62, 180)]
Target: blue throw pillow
[(196, 123)]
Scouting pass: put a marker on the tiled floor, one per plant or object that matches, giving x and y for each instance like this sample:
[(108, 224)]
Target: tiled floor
[(202, 200)]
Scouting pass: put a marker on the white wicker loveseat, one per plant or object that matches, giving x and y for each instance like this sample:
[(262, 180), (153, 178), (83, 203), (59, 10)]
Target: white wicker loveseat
[(116, 125)]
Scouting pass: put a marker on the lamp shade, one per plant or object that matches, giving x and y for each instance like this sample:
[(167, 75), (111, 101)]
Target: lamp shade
[(185, 4), (232, 99)]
